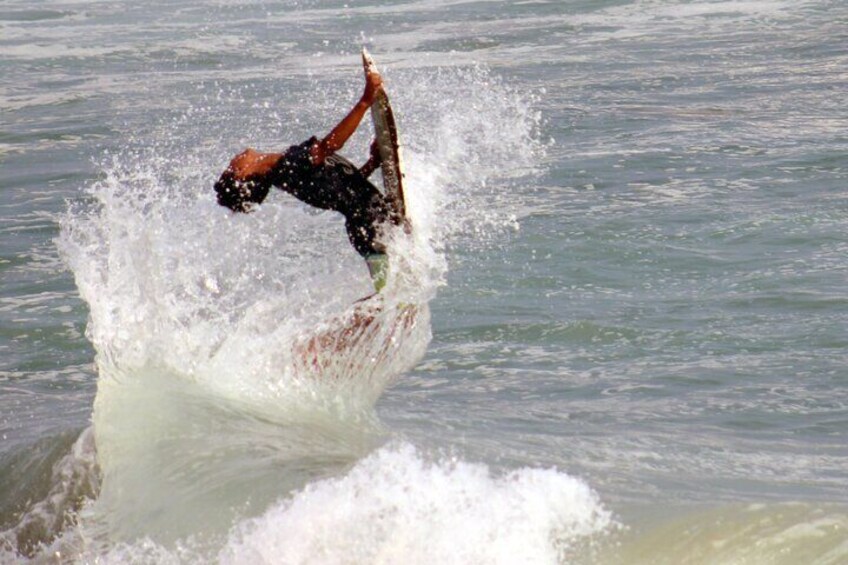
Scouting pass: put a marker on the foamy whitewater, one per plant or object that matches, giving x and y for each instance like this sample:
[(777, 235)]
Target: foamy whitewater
[(615, 334)]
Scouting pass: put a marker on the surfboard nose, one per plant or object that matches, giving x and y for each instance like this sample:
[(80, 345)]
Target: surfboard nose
[(368, 62)]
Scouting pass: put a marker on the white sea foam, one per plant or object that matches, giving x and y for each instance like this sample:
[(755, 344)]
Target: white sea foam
[(401, 506), (396, 506)]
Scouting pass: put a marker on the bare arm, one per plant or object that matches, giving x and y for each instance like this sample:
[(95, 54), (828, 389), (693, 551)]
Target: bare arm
[(336, 139)]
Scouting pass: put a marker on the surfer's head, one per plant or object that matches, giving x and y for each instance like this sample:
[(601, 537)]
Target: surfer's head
[(239, 195)]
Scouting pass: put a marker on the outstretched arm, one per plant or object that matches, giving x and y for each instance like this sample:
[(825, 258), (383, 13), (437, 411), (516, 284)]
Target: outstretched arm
[(336, 139)]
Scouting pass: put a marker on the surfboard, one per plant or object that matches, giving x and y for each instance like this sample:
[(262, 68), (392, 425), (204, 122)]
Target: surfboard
[(388, 143)]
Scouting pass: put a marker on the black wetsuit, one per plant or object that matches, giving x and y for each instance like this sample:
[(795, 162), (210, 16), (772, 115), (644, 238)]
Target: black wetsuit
[(335, 185)]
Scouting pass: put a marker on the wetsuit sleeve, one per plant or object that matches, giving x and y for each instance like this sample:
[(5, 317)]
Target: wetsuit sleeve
[(295, 165)]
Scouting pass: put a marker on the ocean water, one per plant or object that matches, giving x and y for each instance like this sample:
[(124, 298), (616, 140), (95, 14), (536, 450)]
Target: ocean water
[(618, 332)]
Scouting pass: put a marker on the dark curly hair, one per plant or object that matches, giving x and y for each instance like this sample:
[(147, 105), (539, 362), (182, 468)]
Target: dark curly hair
[(239, 195)]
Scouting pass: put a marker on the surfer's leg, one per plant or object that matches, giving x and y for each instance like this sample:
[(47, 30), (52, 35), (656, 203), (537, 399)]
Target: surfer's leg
[(378, 267)]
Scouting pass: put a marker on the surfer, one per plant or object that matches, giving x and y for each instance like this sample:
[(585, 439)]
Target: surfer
[(316, 174)]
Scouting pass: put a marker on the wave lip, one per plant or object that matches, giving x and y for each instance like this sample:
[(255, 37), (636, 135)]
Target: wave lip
[(396, 506)]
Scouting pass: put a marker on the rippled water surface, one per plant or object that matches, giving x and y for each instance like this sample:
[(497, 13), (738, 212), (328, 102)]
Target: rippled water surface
[(629, 333)]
